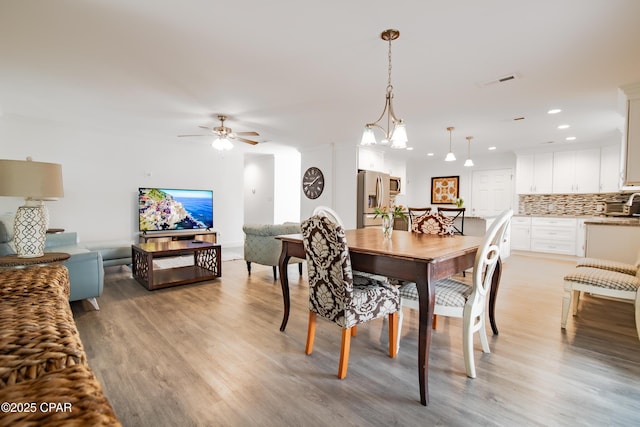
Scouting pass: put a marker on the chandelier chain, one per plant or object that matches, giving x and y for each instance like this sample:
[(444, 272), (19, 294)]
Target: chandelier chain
[(389, 86)]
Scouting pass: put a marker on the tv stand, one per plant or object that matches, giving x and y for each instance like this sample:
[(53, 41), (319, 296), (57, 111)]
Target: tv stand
[(171, 236)]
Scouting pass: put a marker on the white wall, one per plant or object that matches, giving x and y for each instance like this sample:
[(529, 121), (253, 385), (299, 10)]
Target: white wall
[(339, 167), (259, 189), (103, 169), (287, 178), (421, 170)]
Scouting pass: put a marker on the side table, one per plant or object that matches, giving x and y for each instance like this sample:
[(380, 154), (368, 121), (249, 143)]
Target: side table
[(13, 261)]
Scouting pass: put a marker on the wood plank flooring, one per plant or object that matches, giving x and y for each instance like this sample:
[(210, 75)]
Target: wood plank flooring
[(211, 354)]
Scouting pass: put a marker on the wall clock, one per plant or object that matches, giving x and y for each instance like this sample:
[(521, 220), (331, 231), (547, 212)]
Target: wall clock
[(313, 183)]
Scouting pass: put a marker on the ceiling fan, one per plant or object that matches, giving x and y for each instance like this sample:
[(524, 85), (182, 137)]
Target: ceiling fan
[(224, 134)]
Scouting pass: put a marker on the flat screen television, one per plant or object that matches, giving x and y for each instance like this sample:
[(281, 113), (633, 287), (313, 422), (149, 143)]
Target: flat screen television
[(163, 209)]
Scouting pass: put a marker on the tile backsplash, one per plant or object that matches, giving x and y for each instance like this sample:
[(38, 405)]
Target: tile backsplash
[(590, 204)]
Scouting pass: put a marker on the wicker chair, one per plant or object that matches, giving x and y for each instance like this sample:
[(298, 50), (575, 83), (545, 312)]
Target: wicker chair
[(339, 296)]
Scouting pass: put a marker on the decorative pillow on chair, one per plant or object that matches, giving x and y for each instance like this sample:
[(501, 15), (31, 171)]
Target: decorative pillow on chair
[(433, 223)]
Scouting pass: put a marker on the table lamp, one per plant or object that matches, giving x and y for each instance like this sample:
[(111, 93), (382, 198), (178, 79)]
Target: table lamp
[(36, 182)]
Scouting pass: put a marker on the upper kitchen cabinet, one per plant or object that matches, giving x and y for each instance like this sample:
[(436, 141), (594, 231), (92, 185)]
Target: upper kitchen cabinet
[(631, 141), (610, 169), (576, 171), (534, 173)]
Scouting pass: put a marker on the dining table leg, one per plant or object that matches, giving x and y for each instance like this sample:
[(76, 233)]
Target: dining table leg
[(284, 282), (426, 300)]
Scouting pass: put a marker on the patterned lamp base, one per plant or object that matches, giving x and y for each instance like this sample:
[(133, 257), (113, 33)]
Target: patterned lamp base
[(29, 231)]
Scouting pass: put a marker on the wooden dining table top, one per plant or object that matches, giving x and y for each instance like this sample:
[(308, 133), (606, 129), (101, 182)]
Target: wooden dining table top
[(404, 244)]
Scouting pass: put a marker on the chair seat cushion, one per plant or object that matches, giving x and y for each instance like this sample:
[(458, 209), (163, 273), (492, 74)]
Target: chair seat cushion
[(371, 299), (449, 292), (605, 264), (603, 279)]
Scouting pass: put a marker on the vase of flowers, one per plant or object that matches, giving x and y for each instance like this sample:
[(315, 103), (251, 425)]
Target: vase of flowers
[(388, 217)]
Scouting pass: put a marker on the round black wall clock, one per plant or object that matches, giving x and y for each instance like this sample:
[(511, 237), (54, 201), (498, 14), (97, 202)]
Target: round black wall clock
[(313, 183)]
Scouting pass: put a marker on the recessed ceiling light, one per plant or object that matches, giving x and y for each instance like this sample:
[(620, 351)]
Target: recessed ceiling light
[(554, 111), (571, 138), (430, 154), (492, 148), (564, 127), (409, 148)]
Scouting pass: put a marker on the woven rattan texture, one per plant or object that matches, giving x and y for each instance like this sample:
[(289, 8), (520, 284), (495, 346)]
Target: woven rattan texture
[(37, 332), (69, 397), (24, 282)]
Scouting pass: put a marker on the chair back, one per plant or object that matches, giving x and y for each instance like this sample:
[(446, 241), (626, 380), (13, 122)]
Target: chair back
[(329, 268), (486, 261), (432, 223), (329, 213), (454, 214)]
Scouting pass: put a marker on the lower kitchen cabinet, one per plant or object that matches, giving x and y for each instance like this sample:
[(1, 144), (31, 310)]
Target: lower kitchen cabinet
[(552, 235)]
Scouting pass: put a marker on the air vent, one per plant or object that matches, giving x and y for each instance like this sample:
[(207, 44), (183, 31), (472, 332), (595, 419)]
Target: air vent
[(500, 80)]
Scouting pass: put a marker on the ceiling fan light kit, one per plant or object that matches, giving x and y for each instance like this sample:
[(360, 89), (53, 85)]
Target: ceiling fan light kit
[(224, 135), (395, 131)]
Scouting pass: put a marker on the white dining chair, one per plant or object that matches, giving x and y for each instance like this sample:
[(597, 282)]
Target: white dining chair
[(457, 299)]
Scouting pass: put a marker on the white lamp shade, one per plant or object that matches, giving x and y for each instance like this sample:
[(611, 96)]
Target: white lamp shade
[(368, 138), (468, 162), (399, 137), (222, 144), (450, 157)]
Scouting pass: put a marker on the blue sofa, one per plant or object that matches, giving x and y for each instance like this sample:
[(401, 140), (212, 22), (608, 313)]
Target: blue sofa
[(87, 262)]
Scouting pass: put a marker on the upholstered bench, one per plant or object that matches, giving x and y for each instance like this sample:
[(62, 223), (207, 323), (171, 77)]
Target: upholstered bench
[(603, 282)]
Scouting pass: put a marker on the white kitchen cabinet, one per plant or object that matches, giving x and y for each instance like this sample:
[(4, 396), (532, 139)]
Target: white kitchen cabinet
[(576, 171), (553, 235), (521, 233), (534, 173), (610, 169)]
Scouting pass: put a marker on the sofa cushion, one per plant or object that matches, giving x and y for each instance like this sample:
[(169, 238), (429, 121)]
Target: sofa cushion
[(111, 249), (6, 227)]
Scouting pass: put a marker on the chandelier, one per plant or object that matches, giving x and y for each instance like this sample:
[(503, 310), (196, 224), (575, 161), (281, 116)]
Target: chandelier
[(395, 131)]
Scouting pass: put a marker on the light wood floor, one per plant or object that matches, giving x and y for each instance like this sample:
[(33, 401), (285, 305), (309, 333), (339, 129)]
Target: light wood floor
[(211, 354)]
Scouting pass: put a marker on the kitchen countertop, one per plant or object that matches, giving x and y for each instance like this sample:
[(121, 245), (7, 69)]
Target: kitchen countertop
[(633, 221), (627, 221)]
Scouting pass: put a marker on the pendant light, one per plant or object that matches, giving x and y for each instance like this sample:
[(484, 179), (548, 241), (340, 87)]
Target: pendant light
[(450, 156), (395, 132), (469, 162)]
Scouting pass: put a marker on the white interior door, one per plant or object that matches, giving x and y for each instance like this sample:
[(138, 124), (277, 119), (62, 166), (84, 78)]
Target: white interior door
[(491, 192)]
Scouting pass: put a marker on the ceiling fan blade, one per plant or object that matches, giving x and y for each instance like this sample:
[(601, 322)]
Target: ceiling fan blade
[(205, 127), (248, 141), (180, 136), (251, 133)]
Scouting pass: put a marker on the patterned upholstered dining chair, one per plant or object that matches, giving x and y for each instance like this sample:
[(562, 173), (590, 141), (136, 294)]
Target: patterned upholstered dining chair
[(602, 277), (338, 295), (457, 299)]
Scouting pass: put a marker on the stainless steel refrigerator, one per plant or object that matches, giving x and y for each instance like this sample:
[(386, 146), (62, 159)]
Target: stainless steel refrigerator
[(373, 191)]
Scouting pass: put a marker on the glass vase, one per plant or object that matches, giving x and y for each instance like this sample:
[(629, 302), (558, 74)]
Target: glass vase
[(387, 226)]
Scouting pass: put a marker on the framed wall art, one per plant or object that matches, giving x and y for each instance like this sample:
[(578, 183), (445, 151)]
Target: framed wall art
[(445, 189)]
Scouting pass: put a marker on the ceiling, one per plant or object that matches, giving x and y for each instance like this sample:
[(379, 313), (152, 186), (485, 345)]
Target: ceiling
[(306, 74)]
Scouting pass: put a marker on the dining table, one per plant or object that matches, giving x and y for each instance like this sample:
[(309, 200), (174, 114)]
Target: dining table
[(417, 257)]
